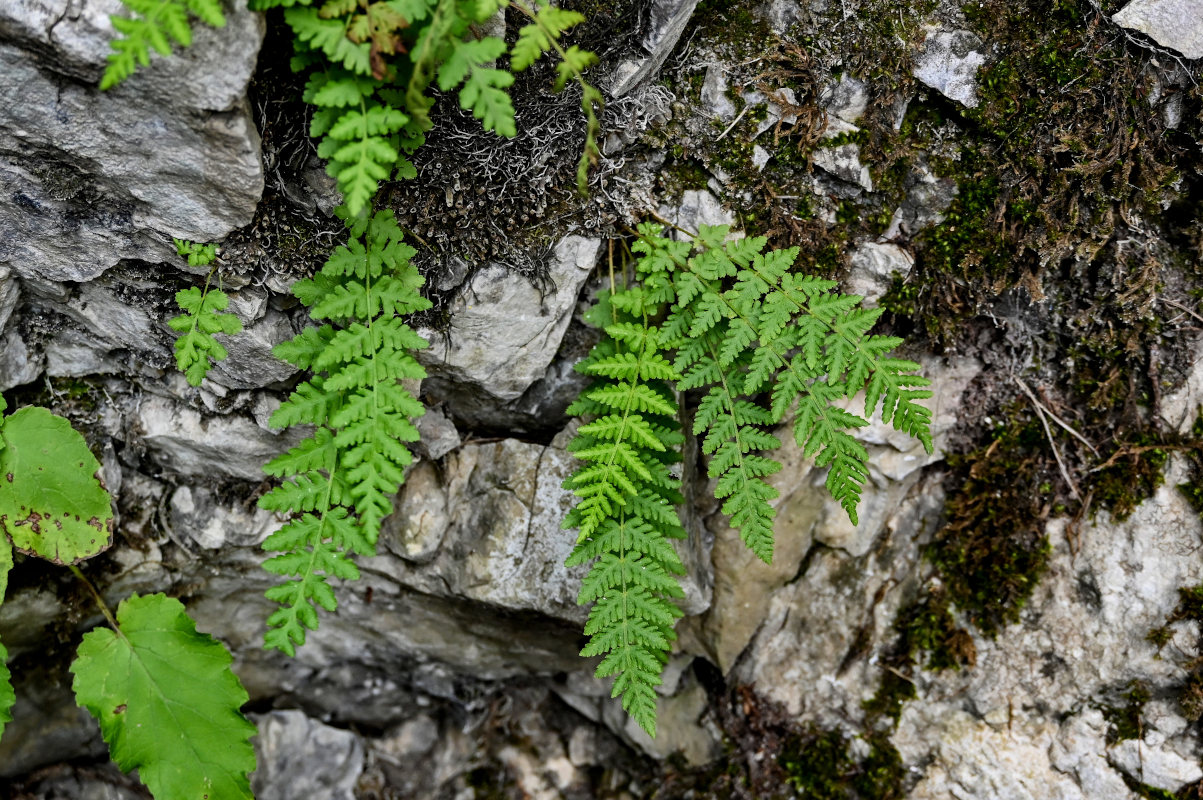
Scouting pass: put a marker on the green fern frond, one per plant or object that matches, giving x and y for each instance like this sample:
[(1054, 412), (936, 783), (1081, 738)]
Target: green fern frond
[(196, 349), (624, 512), (342, 478), (155, 24)]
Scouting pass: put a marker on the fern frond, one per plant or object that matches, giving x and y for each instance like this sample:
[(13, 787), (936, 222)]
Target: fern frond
[(343, 477), (624, 512), (196, 349)]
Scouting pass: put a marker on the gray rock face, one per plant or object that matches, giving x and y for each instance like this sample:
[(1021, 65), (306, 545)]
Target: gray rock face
[(112, 175), (666, 22), (949, 63), (872, 267), (186, 442), (504, 331), (1177, 24), (300, 757)]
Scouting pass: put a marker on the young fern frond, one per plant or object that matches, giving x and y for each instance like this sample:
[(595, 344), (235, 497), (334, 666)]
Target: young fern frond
[(155, 24), (340, 479), (744, 320), (196, 349), (626, 496)]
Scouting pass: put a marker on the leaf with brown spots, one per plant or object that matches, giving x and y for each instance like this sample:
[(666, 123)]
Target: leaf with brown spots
[(54, 506), (167, 702)]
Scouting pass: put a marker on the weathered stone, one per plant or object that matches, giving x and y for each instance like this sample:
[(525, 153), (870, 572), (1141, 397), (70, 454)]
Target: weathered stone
[(927, 198), (1177, 24), (504, 331), (872, 267), (197, 516), (250, 363), (18, 365), (439, 436), (847, 99), (113, 175), (1156, 766), (301, 757), (714, 93), (10, 294), (949, 63), (698, 207), (843, 162), (667, 20), (187, 443)]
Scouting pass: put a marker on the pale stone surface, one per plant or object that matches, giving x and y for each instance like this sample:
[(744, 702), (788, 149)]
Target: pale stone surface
[(301, 757), (949, 63), (110, 174), (1177, 24), (198, 516), (186, 442), (504, 331), (872, 266)]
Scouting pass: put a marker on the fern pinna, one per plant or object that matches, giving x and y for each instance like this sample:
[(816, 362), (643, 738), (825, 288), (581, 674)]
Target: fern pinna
[(738, 326), (627, 492), (341, 480)]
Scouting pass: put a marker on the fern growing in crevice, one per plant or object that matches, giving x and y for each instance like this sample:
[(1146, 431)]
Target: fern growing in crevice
[(340, 480), (741, 319), (373, 65), (196, 349), (627, 492), (738, 325)]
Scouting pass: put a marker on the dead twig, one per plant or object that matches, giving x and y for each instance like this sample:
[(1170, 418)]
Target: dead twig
[(1048, 432), (1055, 418)]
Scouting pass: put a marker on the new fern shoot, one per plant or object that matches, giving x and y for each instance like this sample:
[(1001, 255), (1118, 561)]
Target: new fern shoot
[(725, 318), (196, 348)]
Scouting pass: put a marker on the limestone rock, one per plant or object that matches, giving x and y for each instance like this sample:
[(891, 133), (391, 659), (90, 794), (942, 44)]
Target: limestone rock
[(197, 516), (949, 63), (250, 363), (10, 294), (667, 20), (113, 175), (872, 267), (18, 365), (504, 331), (187, 443), (1177, 24), (714, 93), (697, 207), (1159, 767), (301, 757), (843, 162)]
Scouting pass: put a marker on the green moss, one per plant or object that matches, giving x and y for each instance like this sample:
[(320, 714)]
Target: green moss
[(1125, 718), (892, 694), (993, 550), (735, 24), (1132, 479), (818, 765)]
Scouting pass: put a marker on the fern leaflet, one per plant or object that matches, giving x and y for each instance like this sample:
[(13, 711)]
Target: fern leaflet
[(155, 25)]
